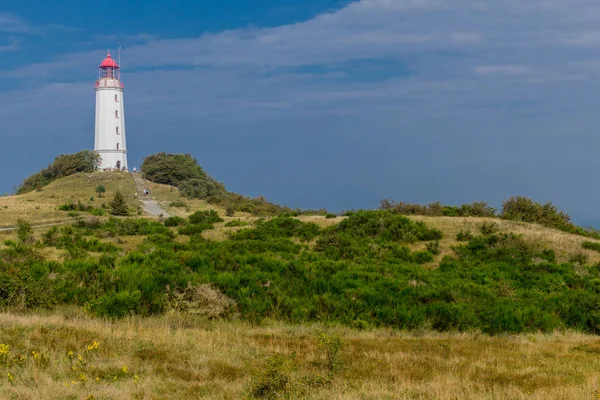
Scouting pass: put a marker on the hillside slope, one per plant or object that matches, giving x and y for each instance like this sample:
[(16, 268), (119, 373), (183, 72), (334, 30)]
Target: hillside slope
[(42, 206)]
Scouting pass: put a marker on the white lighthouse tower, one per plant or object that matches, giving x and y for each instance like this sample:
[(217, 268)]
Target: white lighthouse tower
[(110, 140)]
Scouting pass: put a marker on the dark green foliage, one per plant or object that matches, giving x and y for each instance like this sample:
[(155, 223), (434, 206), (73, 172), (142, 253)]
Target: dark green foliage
[(464, 236), (488, 228), (64, 165), (595, 246), (195, 229), (437, 209), (278, 227), (183, 171), (100, 189), (171, 169), (24, 231), (118, 205), (330, 216), (579, 258), (434, 247), (174, 221), (203, 189), (526, 210), (236, 222), (205, 217), (359, 273)]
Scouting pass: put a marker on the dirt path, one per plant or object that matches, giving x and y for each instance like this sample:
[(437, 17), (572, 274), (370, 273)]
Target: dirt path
[(150, 206)]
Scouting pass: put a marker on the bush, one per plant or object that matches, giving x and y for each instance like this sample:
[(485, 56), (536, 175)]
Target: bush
[(330, 216), (171, 169), (488, 228), (174, 221), (204, 217), (526, 210), (24, 231), (437, 209), (464, 236), (118, 206), (194, 229), (100, 189), (595, 246), (235, 223)]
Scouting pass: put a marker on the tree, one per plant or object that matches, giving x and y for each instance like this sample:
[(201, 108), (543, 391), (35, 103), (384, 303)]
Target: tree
[(118, 206), (100, 189), (24, 230), (172, 169)]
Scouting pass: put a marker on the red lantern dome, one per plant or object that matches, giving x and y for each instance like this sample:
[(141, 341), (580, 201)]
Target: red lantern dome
[(108, 62)]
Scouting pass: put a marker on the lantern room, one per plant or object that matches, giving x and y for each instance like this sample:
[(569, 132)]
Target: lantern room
[(108, 69)]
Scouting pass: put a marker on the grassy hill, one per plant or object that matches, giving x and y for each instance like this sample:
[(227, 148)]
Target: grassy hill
[(372, 305)]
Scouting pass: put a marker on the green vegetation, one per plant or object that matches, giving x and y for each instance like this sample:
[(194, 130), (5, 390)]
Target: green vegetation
[(183, 172), (100, 189), (118, 205), (363, 272), (516, 208), (437, 209), (64, 165), (595, 246)]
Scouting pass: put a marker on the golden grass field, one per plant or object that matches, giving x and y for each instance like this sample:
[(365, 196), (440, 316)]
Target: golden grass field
[(42, 207), (177, 357)]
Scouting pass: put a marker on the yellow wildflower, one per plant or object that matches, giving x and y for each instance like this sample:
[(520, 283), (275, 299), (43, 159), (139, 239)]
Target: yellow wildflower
[(124, 369), (97, 379), (70, 354), (93, 345), (82, 378), (136, 378), (4, 349), (10, 377)]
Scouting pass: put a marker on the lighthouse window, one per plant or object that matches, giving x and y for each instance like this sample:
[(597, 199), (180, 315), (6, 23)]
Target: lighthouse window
[(116, 114), (117, 146), (118, 131), (117, 98)]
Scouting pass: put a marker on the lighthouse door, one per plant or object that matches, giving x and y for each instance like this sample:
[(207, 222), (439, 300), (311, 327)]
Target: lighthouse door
[(118, 165)]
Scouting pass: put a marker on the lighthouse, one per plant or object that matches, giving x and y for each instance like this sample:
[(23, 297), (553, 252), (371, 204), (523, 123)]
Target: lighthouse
[(110, 141)]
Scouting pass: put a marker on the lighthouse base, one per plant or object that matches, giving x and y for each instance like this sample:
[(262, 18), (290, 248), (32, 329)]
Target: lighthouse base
[(113, 160)]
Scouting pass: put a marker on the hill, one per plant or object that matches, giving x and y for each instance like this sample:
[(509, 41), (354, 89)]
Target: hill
[(372, 304)]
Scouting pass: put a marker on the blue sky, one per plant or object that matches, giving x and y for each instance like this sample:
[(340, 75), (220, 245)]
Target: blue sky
[(313, 104)]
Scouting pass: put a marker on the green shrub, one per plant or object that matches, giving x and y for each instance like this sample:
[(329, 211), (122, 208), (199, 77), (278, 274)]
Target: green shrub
[(330, 216), (595, 246), (580, 258), (194, 229), (434, 247), (488, 228), (437, 209), (24, 231), (464, 236), (526, 210), (100, 189), (204, 217), (118, 205), (174, 221), (236, 222)]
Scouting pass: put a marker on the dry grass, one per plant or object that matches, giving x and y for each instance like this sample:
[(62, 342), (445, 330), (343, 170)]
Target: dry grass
[(41, 207), (176, 357)]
